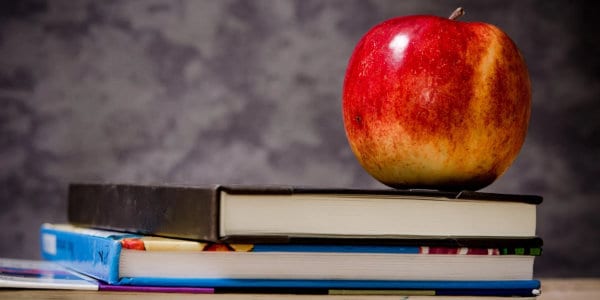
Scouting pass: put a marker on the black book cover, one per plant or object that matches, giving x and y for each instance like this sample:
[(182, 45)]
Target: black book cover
[(192, 212)]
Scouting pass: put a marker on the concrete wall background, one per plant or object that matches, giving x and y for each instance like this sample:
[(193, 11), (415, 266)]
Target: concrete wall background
[(250, 92)]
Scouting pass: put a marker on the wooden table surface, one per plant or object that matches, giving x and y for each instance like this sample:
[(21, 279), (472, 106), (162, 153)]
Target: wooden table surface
[(552, 289)]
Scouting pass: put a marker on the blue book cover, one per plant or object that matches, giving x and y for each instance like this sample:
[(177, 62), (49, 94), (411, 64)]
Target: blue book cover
[(92, 252), (130, 259)]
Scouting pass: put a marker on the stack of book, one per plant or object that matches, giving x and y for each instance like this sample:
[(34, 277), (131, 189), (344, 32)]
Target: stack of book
[(273, 239)]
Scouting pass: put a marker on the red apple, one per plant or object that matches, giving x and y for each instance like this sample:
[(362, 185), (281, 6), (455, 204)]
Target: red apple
[(436, 103)]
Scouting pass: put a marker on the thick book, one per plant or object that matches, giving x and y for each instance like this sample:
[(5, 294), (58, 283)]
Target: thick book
[(280, 213), (129, 259), (35, 274)]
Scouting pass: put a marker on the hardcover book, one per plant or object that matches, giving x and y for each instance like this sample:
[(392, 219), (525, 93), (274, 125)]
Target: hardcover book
[(35, 274), (283, 213), (129, 259)]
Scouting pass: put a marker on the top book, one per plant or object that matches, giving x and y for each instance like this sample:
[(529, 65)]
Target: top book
[(236, 213)]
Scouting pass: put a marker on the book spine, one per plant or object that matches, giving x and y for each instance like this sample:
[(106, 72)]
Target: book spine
[(95, 256), (178, 212)]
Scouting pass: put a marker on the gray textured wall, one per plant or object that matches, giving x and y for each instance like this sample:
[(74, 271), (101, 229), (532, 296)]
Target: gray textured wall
[(250, 92)]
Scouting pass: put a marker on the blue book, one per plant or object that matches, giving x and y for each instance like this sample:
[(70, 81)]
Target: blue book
[(130, 259)]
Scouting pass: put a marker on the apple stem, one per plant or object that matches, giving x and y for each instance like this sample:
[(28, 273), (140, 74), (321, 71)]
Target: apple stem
[(457, 13)]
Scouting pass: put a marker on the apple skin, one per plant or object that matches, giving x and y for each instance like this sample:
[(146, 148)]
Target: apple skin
[(435, 103)]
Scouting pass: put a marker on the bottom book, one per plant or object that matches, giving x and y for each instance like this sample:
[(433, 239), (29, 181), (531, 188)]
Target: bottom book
[(32, 274), (121, 259)]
